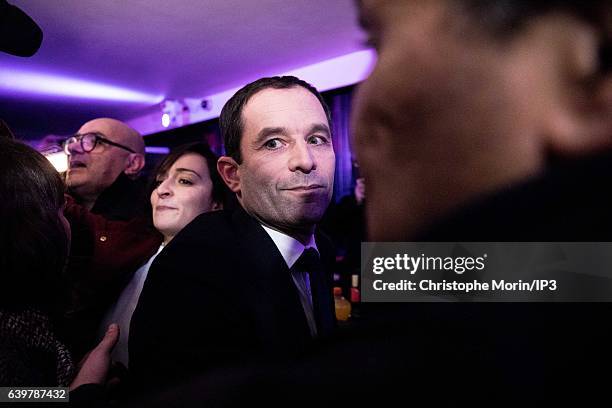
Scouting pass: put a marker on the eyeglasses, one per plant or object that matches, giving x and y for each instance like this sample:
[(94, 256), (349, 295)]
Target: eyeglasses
[(88, 142)]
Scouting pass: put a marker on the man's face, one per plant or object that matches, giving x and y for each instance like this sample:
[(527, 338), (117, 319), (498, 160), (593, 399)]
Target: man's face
[(449, 112), (287, 170), (89, 174)]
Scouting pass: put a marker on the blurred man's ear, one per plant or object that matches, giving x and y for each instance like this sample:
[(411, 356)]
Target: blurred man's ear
[(136, 162), (582, 124), (587, 128), (229, 171)]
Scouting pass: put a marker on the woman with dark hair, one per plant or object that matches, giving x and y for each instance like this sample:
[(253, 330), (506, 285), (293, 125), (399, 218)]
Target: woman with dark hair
[(189, 173), (35, 239), (186, 184)]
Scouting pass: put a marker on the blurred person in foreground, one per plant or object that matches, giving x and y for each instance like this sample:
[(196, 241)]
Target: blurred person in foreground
[(495, 117), (482, 105), (35, 240)]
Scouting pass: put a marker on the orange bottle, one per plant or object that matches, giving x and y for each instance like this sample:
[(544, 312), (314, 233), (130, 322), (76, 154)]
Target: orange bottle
[(343, 306)]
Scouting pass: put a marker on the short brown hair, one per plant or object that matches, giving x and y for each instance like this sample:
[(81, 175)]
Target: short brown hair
[(230, 121)]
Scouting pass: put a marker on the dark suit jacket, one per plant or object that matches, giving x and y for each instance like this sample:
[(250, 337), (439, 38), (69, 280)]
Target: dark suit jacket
[(219, 293), (453, 354)]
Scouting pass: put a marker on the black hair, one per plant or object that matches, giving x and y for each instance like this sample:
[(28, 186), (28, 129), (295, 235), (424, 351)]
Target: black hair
[(220, 192), (504, 18), (33, 240), (231, 122), (508, 15)]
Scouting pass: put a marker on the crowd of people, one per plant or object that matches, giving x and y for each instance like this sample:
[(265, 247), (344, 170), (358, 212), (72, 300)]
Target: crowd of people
[(481, 121)]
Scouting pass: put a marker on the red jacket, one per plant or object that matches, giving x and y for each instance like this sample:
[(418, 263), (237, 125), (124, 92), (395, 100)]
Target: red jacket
[(104, 254)]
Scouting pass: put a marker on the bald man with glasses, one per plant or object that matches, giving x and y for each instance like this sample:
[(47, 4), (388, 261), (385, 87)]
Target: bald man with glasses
[(107, 210), (88, 142), (100, 154)]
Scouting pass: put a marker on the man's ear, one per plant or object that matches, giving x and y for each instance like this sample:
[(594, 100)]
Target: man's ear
[(136, 162), (229, 171), (587, 127), (582, 122)]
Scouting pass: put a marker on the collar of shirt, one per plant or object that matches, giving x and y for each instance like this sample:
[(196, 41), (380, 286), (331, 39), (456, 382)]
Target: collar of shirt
[(289, 247)]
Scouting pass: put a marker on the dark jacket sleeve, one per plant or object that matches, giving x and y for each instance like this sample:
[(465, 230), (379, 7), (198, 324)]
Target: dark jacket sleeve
[(189, 316)]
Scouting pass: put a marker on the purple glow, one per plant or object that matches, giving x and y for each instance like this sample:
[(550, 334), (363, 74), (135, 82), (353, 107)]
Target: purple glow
[(338, 72), (329, 74), (157, 150), (35, 83)]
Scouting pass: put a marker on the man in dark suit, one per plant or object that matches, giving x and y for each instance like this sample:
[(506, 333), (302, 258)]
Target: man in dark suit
[(496, 117), (248, 283), (483, 120)]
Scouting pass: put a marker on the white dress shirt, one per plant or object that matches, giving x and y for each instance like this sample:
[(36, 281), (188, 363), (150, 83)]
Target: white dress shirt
[(291, 249), (121, 312)]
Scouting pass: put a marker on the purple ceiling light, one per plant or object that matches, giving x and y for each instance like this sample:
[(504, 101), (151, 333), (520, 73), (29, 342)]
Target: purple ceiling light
[(36, 83), (333, 73)]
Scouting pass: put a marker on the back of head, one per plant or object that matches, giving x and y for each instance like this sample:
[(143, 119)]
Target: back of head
[(230, 120), (33, 239), (504, 19), (509, 16)]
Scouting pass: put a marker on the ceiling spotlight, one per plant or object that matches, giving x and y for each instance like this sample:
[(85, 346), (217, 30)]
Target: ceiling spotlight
[(165, 120), (173, 113)]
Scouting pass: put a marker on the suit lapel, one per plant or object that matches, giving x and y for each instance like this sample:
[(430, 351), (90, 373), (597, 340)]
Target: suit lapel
[(272, 293)]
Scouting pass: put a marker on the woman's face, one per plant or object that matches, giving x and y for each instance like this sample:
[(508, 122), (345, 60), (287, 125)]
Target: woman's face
[(182, 193)]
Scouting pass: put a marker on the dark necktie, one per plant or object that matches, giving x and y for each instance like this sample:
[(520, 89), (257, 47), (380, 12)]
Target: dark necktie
[(310, 262)]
